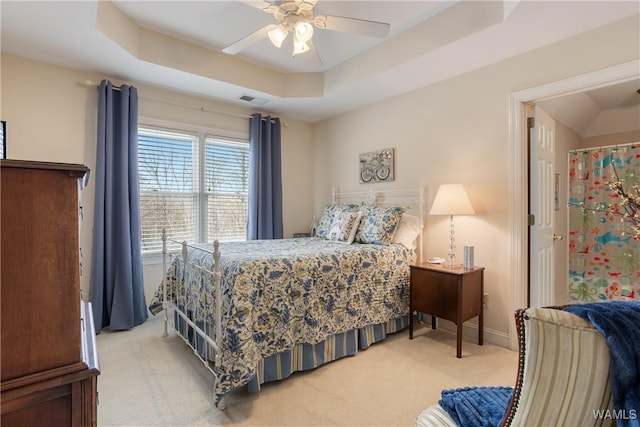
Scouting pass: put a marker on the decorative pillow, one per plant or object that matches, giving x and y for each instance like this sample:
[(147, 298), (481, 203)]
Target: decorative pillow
[(325, 221), (344, 226), (408, 230), (378, 224)]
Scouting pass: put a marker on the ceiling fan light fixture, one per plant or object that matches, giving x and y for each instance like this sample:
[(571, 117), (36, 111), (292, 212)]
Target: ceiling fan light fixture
[(299, 46), (298, 17), (277, 35), (304, 31)]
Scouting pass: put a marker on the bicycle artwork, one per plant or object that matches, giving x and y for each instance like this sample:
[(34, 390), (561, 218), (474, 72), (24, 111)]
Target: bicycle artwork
[(376, 166)]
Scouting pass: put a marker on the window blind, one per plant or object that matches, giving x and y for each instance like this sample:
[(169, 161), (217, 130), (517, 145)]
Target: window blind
[(3, 139), (227, 187), (168, 169)]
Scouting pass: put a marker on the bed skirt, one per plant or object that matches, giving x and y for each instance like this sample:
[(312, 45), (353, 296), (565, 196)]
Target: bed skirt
[(309, 356), (304, 356)]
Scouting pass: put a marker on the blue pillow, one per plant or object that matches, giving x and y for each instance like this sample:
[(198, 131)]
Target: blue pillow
[(378, 224)]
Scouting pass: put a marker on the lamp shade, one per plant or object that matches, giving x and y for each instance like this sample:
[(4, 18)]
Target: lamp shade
[(451, 199)]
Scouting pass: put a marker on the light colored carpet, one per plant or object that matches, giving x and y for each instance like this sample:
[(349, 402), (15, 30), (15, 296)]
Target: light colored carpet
[(147, 380)]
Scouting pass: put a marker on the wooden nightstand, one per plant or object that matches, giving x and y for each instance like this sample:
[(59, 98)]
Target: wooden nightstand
[(454, 294)]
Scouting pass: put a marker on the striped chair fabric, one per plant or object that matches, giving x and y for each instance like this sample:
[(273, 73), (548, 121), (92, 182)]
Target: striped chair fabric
[(563, 374)]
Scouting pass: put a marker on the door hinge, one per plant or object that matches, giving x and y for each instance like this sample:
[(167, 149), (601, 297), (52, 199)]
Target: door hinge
[(531, 122), (531, 219)]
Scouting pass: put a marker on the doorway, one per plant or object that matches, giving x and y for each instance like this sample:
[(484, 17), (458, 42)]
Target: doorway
[(518, 192)]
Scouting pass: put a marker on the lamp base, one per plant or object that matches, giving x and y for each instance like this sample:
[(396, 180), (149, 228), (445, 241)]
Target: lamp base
[(451, 258)]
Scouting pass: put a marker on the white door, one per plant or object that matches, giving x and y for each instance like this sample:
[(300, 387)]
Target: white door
[(542, 199)]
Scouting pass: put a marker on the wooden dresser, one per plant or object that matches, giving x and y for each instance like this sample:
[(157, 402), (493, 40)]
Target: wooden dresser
[(49, 362)]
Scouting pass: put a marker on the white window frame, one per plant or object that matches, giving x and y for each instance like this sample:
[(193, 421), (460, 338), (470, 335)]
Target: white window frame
[(203, 132)]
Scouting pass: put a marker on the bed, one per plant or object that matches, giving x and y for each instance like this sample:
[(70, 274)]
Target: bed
[(257, 311)]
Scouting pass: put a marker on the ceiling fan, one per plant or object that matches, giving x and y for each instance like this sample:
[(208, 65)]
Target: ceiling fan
[(297, 17)]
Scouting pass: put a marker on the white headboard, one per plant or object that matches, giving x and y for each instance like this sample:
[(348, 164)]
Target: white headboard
[(412, 199)]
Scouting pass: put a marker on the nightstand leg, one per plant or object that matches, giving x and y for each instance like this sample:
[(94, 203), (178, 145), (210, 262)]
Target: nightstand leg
[(459, 343), (480, 327), (433, 322), (481, 316)]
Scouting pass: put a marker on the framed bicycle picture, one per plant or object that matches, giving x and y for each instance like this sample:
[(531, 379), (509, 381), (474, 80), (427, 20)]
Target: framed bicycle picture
[(376, 166)]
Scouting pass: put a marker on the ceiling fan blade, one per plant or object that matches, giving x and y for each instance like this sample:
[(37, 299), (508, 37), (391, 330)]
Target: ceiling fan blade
[(352, 25), (263, 5), (312, 48), (247, 41)]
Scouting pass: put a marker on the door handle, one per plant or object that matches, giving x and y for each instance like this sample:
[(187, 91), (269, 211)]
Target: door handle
[(557, 237)]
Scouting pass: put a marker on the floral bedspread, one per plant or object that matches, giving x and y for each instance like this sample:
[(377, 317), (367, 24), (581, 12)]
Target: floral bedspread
[(278, 293)]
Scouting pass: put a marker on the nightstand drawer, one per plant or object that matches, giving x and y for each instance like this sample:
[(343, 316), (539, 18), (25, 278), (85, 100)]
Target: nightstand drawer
[(434, 293)]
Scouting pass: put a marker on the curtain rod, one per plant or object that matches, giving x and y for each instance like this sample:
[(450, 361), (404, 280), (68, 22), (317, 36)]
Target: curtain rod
[(89, 83), (584, 150)]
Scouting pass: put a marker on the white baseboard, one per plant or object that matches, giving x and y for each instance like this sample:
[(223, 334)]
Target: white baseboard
[(470, 330)]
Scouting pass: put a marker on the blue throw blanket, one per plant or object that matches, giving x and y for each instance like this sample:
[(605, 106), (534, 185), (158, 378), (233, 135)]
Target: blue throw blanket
[(619, 323), (476, 406)]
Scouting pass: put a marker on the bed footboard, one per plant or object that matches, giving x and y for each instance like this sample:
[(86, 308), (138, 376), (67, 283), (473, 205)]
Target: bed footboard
[(206, 341)]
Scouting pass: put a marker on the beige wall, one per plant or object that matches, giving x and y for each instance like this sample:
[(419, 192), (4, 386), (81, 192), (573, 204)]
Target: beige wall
[(51, 116), (614, 139), (456, 131)]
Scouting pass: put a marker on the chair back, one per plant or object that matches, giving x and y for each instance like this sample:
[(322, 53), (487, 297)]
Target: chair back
[(563, 372)]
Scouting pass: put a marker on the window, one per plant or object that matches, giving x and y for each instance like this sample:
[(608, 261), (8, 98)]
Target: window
[(194, 185), (3, 140)]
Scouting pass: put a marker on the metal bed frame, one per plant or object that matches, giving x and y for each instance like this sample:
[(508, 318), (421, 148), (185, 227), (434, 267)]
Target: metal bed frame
[(413, 200)]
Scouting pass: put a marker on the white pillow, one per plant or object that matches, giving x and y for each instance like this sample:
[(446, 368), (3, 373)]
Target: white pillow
[(408, 230), (343, 227)]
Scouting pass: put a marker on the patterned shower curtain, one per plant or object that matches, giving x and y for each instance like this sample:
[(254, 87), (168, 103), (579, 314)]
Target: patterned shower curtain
[(604, 259)]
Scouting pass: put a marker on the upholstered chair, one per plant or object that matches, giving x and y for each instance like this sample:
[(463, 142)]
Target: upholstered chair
[(563, 374)]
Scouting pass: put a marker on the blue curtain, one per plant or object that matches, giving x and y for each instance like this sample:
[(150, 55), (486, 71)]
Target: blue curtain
[(117, 292), (265, 179)]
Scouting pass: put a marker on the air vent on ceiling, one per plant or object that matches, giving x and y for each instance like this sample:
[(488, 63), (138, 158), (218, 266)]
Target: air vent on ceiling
[(254, 100)]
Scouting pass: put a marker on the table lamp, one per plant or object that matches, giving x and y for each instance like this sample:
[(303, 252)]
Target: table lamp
[(451, 199)]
